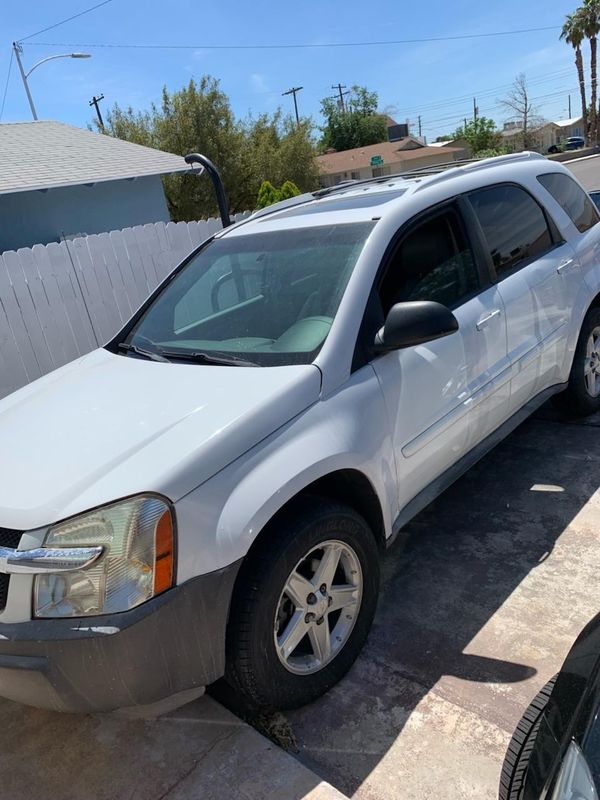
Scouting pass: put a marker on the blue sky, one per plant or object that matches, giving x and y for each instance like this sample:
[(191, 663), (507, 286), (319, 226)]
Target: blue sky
[(412, 79)]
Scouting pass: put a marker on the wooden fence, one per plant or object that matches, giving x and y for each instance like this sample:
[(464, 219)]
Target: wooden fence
[(59, 301)]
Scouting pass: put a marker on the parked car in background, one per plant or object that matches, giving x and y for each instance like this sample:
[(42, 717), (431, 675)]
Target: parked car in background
[(574, 142), (209, 493), (595, 195), (555, 751)]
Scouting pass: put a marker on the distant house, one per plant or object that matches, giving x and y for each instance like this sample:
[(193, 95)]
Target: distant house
[(569, 127), (542, 136), (455, 144), (377, 160), (58, 181)]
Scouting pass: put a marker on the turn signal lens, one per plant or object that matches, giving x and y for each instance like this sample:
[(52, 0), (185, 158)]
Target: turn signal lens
[(163, 558)]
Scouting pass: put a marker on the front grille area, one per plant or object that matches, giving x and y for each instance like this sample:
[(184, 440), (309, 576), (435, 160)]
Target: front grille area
[(8, 538)]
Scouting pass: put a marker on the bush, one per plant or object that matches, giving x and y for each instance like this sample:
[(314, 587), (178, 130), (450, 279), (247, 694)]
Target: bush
[(289, 189), (267, 195)]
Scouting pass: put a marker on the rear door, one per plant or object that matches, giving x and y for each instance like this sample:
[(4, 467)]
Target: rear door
[(527, 260), (441, 397)]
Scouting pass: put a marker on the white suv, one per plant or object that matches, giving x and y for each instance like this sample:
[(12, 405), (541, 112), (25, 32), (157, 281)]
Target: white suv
[(210, 493)]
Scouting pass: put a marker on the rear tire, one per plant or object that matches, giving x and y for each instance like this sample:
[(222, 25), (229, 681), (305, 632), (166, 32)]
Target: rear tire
[(582, 395), (516, 760), (289, 587)]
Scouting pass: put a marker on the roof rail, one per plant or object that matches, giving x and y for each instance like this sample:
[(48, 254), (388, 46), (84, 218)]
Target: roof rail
[(449, 171)]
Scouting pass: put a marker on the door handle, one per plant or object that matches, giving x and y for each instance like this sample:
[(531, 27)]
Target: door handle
[(565, 265), (487, 319)]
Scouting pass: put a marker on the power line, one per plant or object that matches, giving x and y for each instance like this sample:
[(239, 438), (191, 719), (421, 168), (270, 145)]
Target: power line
[(6, 84), (68, 19), (300, 46)]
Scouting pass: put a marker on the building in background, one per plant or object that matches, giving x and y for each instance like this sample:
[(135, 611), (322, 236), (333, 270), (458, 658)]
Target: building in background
[(378, 160), (58, 181)]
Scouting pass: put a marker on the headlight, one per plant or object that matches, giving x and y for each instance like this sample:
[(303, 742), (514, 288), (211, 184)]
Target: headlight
[(137, 562)]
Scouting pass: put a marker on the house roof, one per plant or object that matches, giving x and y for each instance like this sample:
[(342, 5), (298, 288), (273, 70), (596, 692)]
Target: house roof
[(49, 154), (507, 133), (360, 157), (566, 123)]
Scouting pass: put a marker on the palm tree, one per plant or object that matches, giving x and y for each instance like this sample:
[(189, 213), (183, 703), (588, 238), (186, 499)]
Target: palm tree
[(589, 15), (572, 33)]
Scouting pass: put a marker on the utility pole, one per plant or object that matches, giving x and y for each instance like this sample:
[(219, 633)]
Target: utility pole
[(95, 101), (294, 90), (420, 128), (339, 87), (570, 107), (475, 110), (18, 49)]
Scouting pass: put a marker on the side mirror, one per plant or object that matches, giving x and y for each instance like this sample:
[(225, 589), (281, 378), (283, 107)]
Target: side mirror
[(412, 323)]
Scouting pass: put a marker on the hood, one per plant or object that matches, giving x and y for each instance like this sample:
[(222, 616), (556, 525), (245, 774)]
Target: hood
[(107, 426)]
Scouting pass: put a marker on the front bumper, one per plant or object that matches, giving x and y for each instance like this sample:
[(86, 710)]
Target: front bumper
[(170, 645)]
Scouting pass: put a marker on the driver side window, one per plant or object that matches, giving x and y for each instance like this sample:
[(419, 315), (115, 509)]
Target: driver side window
[(434, 261)]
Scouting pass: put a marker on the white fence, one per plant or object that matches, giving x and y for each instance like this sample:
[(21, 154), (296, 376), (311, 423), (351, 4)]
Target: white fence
[(61, 300)]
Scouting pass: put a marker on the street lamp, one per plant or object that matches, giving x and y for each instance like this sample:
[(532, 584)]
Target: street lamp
[(18, 50)]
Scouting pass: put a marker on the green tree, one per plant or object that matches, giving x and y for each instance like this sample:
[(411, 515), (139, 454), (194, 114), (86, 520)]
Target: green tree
[(480, 134), (288, 189), (198, 118), (267, 195), (356, 124), (572, 33)]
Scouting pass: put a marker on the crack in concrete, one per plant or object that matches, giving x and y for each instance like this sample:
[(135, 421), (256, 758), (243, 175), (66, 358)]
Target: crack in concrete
[(196, 764)]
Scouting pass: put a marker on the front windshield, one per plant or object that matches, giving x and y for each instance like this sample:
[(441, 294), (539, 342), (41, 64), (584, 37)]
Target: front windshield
[(267, 298)]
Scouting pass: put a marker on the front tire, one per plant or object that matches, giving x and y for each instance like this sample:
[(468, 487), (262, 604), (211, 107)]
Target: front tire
[(582, 395), (303, 606)]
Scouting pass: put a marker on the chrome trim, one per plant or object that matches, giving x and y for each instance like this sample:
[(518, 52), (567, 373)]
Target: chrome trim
[(47, 559)]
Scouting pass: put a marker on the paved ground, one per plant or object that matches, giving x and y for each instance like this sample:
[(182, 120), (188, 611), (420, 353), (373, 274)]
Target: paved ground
[(476, 615), (588, 171)]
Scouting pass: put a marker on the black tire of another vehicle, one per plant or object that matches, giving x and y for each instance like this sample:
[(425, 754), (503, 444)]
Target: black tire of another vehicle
[(516, 760), (576, 400), (255, 671)]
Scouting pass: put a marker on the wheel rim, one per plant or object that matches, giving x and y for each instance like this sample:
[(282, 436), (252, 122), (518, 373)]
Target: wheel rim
[(318, 607), (592, 363)]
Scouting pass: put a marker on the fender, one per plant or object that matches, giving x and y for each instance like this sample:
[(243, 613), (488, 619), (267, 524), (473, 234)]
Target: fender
[(221, 519)]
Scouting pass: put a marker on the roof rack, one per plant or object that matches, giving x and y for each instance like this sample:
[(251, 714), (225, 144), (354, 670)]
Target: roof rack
[(351, 184), (441, 172)]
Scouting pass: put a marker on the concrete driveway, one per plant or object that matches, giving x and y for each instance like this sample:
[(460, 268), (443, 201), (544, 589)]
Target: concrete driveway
[(497, 580)]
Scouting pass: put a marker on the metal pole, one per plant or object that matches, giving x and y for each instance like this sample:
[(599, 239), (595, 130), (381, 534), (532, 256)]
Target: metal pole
[(198, 158), (570, 107), (18, 50), (419, 127), (475, 109)]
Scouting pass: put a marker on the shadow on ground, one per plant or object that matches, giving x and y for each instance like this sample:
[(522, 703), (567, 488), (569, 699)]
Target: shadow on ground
[(473, 614)]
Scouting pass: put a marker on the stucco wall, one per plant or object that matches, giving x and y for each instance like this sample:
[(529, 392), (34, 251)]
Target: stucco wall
[(41, 217)]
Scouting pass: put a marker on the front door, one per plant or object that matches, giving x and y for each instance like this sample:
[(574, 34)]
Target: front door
[(442, 396)]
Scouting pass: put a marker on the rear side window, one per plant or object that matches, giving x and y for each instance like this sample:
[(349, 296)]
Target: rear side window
[(514, 226), (571, 198)]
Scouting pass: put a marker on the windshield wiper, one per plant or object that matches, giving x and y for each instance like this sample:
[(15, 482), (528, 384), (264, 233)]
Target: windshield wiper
[(139, 351), (202, 357)]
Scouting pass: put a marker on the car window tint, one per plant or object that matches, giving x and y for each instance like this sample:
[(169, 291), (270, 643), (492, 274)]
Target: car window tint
[(572, 199), (513, 223), (433, 262)]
